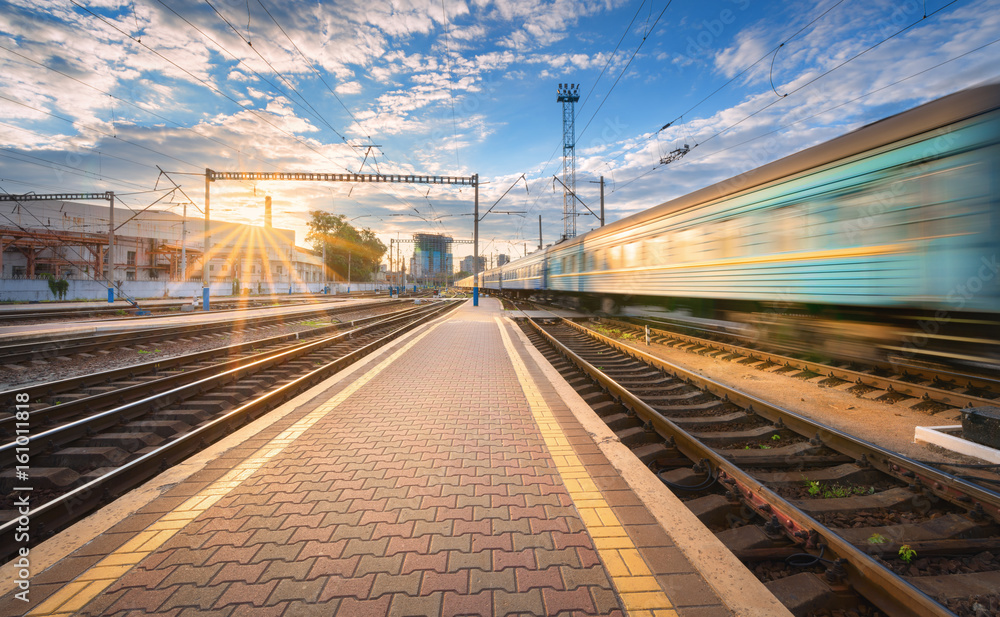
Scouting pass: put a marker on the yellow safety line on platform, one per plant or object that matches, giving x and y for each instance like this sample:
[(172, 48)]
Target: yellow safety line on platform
[(638, 588), (84, 588)]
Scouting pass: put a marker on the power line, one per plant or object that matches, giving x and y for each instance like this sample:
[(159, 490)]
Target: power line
[(310, 64), (315, 113), (612, 56), (208, 85), (543, 176), (217, 90), (824, 74), (771, 53), (625, 68), (127, 102), (96, 130), (819, 113), (56, 167)]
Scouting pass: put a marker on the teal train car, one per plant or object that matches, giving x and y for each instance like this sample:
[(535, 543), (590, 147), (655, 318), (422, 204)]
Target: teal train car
[(884, 241)]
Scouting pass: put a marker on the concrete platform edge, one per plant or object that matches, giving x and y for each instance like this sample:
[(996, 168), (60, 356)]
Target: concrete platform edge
[(737, 587)]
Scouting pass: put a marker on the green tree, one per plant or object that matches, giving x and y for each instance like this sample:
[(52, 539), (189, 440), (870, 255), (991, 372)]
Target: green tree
[(58, 287), (346, 246)]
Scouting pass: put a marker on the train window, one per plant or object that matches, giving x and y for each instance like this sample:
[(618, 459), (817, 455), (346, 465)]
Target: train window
[(658, 250), (632, 255), (788, 225), (730, 241), (685, 245), (876, 214), (614, 257), (708, 246)]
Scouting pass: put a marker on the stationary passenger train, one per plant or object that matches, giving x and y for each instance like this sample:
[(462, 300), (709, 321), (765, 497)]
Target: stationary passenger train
[(882, 241)]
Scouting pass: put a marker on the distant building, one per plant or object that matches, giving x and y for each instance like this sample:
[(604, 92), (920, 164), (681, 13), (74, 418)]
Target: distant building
[(467, 263), (502, 259), (432, 259), (70, 240)]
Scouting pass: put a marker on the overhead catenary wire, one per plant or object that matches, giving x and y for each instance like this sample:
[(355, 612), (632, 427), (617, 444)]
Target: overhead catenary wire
[(812, 81), (625, 68), (827, 72), (126, 102), (98, 274), (96, 130), (60, 167), (216, 90), (543, 176), (211, 87), (309, 63), (314, 112), (819, 113), (770, 53)]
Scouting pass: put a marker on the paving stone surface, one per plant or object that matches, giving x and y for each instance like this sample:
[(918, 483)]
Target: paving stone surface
[(428, 491)]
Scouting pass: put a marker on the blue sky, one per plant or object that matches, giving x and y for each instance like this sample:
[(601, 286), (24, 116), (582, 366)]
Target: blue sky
[(94, 95)]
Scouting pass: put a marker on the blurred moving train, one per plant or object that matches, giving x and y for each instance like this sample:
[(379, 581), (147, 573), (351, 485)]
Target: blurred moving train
[(881, 243)]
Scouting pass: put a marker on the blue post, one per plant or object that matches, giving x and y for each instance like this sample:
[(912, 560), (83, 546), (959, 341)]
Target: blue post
[(111, 295), (204, 298), (475, 296)]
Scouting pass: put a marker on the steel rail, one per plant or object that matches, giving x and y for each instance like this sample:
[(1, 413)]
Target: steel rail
[(230, 372), (164, 310), (885, 589), (959, 492), (926, 393), (31, 350), (55, 413), (91, 379), (80, 501)]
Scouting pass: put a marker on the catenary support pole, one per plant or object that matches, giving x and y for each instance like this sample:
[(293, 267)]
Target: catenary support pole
[(475, 244), (111, 249), (602, 201), (205, 282)]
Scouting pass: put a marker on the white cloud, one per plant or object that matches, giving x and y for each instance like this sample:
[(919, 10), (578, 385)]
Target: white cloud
[(348, 87)]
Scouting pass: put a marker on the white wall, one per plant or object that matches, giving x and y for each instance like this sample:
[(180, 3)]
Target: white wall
[(24, 290)]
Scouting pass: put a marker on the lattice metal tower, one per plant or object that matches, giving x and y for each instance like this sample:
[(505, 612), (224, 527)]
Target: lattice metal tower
[(568, 95)]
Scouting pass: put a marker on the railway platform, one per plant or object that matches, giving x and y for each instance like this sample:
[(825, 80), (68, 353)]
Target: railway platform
[(452, 473)]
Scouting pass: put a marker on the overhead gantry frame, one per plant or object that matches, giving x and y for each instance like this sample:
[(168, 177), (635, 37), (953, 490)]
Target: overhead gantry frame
[(295, 176), (108, 196)]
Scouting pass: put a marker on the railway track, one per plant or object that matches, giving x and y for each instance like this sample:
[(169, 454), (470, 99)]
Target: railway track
[(826, 520), (60, 400), (10, 317), (28, 350), (88, 455), (929, 388)]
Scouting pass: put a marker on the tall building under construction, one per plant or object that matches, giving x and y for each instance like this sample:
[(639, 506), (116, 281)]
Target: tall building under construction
[(432, 260)]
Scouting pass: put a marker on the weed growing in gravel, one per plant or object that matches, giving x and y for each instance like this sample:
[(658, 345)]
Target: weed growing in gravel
[(834, 491), (877, 538), (906, 553), (616, 333)]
